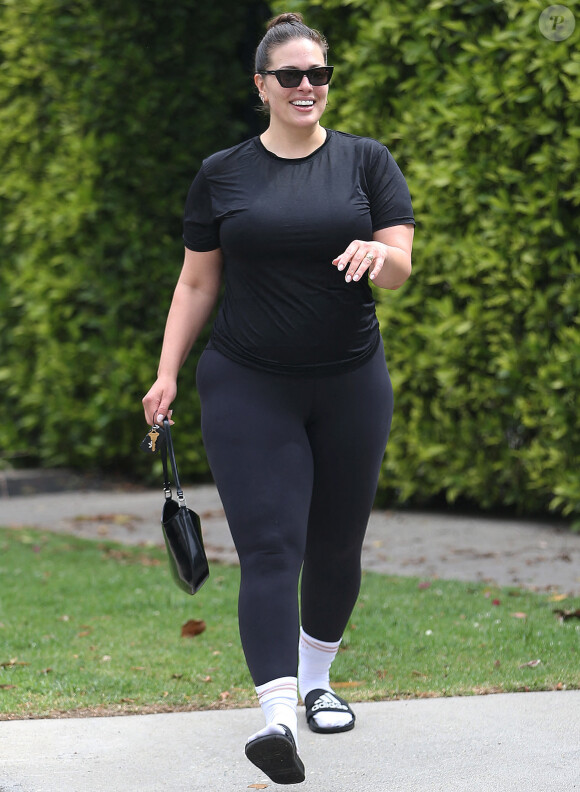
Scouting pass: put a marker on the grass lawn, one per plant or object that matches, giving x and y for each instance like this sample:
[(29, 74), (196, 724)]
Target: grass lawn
[(91, 627)]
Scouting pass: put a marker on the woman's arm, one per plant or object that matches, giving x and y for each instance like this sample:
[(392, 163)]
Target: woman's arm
[(390, 265), (194, 298)]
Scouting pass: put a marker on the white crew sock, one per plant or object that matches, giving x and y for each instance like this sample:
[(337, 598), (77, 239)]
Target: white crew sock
[(278, 700), (314, 672)]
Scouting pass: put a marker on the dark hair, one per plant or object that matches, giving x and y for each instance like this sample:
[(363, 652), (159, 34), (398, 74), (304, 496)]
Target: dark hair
[(280, 30)]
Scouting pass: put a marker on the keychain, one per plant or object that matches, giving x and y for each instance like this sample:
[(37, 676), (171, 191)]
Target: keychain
[(150, 443)]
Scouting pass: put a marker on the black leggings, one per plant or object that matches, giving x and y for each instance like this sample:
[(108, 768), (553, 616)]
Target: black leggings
[(296, 461)]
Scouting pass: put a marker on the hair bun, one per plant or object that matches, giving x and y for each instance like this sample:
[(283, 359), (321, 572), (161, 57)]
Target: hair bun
[(282, 19)]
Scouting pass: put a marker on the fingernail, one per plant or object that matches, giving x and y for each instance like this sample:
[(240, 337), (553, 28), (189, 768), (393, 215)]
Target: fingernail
[(340, 267), (348, 279), (160, 417)]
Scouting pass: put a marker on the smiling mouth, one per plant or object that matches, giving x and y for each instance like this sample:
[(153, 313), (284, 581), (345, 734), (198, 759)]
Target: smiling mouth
[(303, 103)]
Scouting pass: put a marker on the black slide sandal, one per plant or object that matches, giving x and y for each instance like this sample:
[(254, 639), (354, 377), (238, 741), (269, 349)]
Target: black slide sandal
[(277, 757), (324, 701)]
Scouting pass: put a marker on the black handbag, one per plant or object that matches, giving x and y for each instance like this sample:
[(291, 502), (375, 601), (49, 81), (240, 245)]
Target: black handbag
[(181, 526)]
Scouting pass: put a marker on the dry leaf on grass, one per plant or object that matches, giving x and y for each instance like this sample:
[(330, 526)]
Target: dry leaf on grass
[(346, 684), (564, 615), (520, 615), (530, 664), (192, 628)]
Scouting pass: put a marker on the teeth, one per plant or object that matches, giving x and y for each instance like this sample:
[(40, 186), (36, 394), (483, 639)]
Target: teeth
[(303, 102)]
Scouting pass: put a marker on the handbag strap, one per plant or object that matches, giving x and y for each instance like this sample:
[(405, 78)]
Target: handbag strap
[(167, 448)]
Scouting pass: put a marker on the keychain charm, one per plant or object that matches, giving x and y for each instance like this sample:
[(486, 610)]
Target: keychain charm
[(150, 443)]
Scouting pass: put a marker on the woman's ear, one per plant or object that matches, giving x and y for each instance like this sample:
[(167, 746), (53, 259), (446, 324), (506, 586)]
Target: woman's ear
[(261, 86)]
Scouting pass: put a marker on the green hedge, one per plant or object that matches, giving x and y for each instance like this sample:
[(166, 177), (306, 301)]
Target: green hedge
[(105, 114), (483, 343), (106, 110)]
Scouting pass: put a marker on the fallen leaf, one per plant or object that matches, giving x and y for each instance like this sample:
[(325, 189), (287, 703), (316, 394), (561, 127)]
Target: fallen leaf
[(346, 684), (225, 695), (192, 628), (128, 701), (12, 663), (564, 615), (106, 658), (46, 671), (496, 602), (424, 586), (258, 786), (138, 668), (558, 598), (8, 687), (84, 633), (519, 615), (419, 674), (176, 676), (530, 664)]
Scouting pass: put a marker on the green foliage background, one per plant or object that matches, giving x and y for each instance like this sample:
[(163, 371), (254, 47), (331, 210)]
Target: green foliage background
[(106, 110), (482, 114), (105, 114)]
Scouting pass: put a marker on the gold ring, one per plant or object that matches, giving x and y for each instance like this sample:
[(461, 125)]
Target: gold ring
[(370, 256)]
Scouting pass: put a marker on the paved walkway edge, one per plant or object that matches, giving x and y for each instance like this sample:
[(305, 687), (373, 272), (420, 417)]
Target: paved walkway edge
[(524, 742)]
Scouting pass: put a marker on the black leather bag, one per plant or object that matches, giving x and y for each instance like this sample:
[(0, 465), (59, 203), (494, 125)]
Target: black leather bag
[(181, 527)]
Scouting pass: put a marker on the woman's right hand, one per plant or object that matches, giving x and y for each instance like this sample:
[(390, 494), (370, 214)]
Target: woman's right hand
[(158, 400)]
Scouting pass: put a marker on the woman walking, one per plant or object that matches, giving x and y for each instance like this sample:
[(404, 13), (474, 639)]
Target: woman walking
[(295, 393)]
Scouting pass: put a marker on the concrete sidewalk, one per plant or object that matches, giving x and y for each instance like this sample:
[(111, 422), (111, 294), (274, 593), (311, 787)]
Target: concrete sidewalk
[(504, 743)]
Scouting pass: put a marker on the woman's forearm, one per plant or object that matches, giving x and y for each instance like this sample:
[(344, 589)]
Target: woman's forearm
[(396, 269), (190, 309)]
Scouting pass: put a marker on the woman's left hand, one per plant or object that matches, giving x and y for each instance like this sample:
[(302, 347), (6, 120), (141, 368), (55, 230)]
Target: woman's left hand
[(362, 256)]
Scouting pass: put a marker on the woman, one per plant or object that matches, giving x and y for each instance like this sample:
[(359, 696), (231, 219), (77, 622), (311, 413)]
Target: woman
[(295, 394)]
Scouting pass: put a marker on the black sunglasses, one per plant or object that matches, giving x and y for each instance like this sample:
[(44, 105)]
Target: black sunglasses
[(291, 78)]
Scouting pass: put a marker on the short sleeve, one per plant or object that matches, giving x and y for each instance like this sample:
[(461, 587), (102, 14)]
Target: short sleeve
[(200, 226), (389, 194)]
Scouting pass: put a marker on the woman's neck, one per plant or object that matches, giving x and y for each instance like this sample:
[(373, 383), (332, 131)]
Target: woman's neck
[(293, 144)]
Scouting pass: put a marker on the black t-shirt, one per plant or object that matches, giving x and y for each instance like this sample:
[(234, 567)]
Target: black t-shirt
[(280, 223)]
